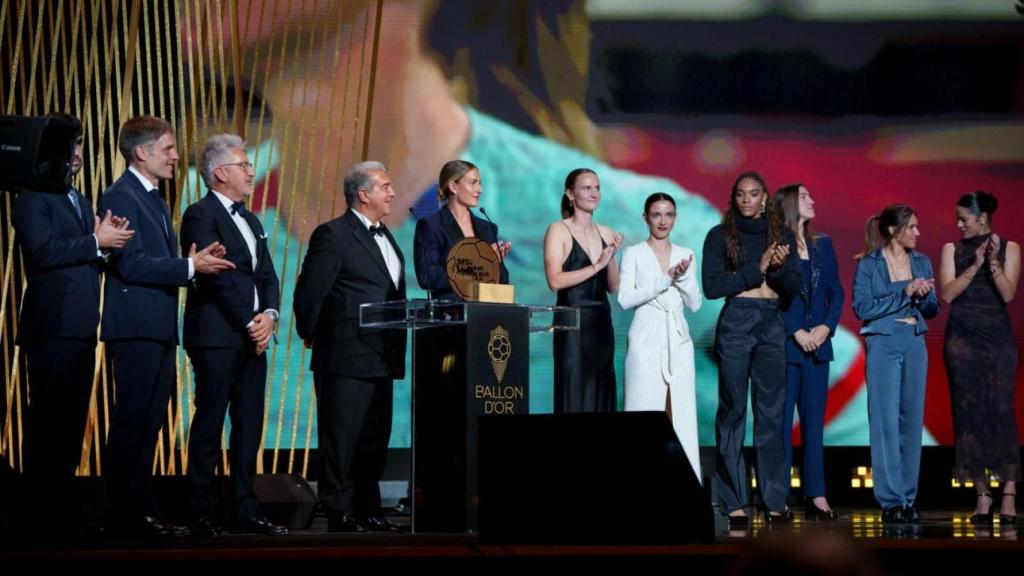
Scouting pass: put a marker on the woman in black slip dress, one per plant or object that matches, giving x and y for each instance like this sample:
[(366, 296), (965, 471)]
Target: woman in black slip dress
[(579, 263)]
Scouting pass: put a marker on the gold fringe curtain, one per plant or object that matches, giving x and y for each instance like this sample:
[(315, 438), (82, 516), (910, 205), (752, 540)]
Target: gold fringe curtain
[(293, 77)]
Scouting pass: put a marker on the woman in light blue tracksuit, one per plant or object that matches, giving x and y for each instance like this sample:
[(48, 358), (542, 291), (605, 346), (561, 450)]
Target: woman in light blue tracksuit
[(893, 294)]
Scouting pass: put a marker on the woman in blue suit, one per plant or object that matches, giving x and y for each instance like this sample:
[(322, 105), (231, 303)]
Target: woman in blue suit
[(811, 320), (459, 188), (893, 294)]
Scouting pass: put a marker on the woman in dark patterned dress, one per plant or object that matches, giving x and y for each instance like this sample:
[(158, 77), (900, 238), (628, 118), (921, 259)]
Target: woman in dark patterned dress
[(978, 277)]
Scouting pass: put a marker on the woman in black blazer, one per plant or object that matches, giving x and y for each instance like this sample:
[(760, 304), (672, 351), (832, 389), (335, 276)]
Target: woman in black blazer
[(459, 189)]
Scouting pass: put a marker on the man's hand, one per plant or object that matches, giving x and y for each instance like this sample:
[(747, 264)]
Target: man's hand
[(112, 231), (260, 331), (210, 260)]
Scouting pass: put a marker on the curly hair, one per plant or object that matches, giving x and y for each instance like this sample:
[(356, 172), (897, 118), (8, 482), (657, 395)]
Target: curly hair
[(776, 223)]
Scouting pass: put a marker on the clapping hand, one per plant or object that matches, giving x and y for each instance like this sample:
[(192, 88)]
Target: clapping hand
[(112, 231), (210, 260), (680, 268)]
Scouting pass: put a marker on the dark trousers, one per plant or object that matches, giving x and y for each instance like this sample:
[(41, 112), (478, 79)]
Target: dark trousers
[(227, 380), (353, 429), (750, 345), (60, 375), (144, 372), (807, 390)]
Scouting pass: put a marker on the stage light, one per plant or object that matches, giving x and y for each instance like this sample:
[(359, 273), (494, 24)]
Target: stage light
[(794, 477), (862, 477)]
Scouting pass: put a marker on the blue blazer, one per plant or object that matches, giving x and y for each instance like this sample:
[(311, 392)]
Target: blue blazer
[(62, 263), (878, 302), (821, 304), (220, 306), (435, 236), (141, 295)]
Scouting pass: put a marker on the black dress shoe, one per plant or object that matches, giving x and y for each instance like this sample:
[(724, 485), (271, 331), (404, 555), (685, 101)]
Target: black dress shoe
[(206, 527), (344, 523), (260, 524), (378, 523), (152, 527)]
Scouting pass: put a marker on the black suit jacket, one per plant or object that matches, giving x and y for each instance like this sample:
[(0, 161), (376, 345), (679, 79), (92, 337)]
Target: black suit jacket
[(219, 306), (62, 264), (141, 295), (435, 236), (343, 269)]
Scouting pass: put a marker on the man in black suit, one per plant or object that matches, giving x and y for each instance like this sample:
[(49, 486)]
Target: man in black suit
[(140, 320), (62, 245), (353, 260), (229, 320)]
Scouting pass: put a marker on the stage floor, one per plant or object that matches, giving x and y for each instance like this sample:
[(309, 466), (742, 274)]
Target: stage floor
[(943, 540)]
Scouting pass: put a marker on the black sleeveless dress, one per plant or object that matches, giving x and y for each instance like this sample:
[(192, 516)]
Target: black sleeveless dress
[(981, 361), (584, 359)]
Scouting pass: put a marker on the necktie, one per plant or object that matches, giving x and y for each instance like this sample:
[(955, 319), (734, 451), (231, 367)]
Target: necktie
[(155, 194), (74, 202)]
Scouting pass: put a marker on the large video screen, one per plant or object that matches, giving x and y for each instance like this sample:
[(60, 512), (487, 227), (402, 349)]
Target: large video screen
[(865, 107)]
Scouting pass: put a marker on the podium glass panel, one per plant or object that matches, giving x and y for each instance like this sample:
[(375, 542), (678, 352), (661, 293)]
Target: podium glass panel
[(469, 360), (411, 314)]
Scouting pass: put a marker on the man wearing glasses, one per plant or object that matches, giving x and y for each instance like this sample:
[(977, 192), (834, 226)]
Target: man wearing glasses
[(229, 322)]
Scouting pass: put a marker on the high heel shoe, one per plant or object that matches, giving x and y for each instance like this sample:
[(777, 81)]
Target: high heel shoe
[(1008, 519), (813, 513), (986, 518), (777, 518), (741, 522)]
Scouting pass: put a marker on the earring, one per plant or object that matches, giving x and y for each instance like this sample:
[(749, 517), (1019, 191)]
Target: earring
[(762, 206), (571, 203)]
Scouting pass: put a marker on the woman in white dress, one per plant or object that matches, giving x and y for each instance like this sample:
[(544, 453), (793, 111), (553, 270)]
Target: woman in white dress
[(658, 278)]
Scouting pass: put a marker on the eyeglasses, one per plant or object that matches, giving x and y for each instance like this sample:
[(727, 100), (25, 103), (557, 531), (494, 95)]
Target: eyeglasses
[(243, 165)]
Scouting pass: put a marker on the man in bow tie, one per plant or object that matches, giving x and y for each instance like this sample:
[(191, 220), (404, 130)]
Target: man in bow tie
[(140, 320), (62, 247), (353, 260), (229, 321)]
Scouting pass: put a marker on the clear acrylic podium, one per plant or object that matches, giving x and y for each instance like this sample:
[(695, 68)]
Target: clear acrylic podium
[(469, 359)]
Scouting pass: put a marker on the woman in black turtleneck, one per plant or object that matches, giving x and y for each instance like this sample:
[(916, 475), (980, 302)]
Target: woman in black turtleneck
[(748, 260)]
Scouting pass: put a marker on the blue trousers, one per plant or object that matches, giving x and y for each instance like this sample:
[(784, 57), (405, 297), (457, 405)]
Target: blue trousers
[(807, 390), (897, 368)]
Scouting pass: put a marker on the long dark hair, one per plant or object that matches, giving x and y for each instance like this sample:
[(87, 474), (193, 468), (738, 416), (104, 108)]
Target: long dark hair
[(979, 202), (876, 230), (570, 181), (776, 226), (787, 204)]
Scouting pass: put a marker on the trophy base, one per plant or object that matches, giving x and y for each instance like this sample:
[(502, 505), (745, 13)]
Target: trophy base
[(493, 293)]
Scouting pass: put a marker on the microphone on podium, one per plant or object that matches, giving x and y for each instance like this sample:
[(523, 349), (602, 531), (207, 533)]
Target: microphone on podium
[(501, 257), (430, 297)]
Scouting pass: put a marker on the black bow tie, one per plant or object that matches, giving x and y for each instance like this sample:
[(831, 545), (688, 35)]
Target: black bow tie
[(377, 230), (237, 208)]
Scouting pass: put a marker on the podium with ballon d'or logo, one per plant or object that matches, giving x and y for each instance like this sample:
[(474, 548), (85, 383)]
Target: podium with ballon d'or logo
[(470, 359)]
